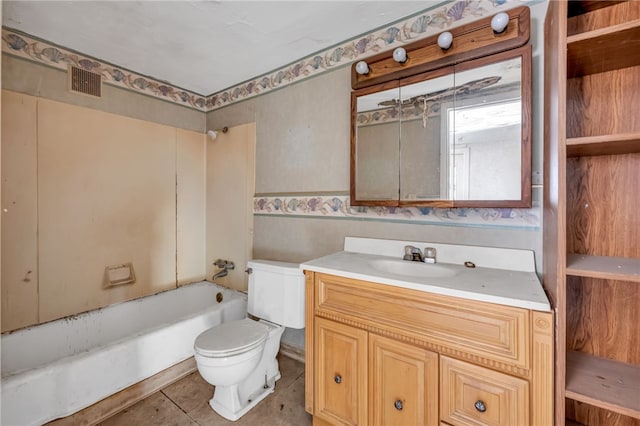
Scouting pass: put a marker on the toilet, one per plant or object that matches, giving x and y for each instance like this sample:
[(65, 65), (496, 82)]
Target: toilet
[(239, 357)]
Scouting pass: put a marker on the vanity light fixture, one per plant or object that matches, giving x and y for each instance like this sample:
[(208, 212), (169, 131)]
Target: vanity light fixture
[(362, 68), (400, 55), (213, 134), (499, 22), (445, 40)]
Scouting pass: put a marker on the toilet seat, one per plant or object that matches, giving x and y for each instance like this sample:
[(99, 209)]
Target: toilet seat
[(231, 338)]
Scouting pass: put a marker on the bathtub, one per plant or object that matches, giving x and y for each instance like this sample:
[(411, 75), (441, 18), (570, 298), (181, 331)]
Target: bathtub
[(55, 369)]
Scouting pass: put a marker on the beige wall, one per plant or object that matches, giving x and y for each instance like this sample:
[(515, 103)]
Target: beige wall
[(191, 178), (99, 189), (19, 211), (230, 188)]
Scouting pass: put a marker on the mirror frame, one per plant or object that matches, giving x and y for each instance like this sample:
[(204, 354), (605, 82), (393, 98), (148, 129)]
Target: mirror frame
[(525, 52)]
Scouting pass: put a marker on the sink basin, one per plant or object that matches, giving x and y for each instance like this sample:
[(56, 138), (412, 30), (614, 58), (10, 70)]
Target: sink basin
[(412, 269)]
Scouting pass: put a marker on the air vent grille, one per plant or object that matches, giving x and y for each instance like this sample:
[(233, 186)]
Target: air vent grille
[(84, 82)]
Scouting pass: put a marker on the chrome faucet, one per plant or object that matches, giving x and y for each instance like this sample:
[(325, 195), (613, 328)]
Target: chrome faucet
[(225, 266), (415, 255), (429, 255)]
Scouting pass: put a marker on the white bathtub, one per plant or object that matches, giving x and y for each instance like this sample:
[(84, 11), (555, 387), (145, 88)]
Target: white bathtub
[(55, 369)]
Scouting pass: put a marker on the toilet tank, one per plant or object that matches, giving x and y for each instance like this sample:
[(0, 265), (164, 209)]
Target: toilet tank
[(276, 292)]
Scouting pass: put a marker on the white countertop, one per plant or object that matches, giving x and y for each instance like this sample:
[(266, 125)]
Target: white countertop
[(518, 288)]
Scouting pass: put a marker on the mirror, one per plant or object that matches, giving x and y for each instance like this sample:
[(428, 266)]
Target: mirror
[(458, 136), (378, 127)]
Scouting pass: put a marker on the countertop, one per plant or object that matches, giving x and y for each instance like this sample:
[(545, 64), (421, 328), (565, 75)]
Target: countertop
[(502, 286)]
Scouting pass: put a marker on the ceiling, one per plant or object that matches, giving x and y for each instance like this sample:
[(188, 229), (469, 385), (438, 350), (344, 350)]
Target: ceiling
[(203, 46)]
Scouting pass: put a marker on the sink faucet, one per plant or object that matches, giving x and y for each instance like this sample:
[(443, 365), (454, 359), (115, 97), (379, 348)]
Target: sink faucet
[(429, 255), (415, 255)]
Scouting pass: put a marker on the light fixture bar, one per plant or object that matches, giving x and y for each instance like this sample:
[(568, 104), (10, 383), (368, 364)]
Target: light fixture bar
[(469, 41)]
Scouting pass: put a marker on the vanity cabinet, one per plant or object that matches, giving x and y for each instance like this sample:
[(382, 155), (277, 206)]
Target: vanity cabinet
[(383, 355)]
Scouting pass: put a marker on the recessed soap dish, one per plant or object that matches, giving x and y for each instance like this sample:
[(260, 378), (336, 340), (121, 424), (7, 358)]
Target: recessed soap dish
[(119, 274)]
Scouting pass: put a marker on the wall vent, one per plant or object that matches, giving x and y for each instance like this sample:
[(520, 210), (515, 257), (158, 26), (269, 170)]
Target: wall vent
[(84, 82)]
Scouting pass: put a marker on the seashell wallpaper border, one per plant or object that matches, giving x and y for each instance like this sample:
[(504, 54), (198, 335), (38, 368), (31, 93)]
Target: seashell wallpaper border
[(336, 206), (435, 19)]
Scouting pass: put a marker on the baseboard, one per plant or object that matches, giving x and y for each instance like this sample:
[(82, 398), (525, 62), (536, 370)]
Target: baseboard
[(291, 351), (119, 401)]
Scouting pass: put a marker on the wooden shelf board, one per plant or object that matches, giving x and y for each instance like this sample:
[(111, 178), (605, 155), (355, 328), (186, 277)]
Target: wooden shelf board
[(604, 267), (581, 7), (623, 143), (603, 49), (604, 383)]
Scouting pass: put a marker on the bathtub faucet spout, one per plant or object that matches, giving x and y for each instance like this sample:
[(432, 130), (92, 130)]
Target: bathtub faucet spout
[(225, 266)]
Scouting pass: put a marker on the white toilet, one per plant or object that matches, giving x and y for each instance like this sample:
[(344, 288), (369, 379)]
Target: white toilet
[(239, 357)]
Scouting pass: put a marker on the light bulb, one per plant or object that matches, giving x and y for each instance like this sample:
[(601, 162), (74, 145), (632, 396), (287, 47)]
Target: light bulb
[(499, 22), (445, 40), (362, 68), (400, 55)]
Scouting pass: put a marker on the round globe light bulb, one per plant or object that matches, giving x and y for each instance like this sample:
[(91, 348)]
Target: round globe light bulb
[(400, 55), (445, 40), (499, 22), (362, 68)]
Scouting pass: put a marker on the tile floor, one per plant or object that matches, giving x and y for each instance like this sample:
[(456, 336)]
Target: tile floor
[(186, 402)]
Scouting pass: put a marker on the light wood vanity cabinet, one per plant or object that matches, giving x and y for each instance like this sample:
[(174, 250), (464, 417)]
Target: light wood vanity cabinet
[(384, 355)]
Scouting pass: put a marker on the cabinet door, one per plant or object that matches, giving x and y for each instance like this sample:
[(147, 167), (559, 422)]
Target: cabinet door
[(472, 395), (341, 373), (404, 383)]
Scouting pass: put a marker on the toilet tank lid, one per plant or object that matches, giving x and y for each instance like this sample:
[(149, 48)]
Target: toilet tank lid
[(286, 268)]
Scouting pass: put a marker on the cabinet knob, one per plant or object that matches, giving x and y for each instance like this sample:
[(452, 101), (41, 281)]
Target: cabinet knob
[(480, 406), (398, 405), (337, 379)]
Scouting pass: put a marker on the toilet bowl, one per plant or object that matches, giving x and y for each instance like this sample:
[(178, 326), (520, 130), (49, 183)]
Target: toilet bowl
[(239, 357)]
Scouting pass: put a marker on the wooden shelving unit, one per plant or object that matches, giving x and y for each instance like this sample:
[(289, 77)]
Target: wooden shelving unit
[(591, 208), (603, 145), (603, 49), (604, 383), (604, 267)]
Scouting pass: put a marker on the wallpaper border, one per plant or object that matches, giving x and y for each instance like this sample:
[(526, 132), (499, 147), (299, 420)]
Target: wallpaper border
[(336, 206)]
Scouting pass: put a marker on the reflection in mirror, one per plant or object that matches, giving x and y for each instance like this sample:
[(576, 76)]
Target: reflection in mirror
[(422, 172), (483, 133), (456, 136), (378, 136)]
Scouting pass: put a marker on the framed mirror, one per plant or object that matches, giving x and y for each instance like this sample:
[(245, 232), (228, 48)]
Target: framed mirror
[(459, 136)]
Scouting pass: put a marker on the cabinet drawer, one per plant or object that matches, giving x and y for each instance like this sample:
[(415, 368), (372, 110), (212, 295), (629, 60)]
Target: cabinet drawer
[(472, 395), (496, 332)]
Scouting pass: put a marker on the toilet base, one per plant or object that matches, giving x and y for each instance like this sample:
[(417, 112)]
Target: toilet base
[(233, 401), (226, 399)]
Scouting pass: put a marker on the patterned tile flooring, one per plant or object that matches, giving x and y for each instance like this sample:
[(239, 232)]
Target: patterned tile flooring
[(186, 402)]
